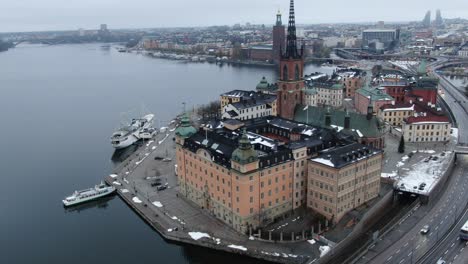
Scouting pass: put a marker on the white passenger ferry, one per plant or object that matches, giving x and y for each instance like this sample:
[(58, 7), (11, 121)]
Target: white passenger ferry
[(88, 194)]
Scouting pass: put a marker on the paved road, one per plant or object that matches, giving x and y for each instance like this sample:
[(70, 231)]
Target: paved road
[(450, 248), (412, 245), (405, 245)]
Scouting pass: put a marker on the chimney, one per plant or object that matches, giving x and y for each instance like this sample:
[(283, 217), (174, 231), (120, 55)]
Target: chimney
[(328, 118), (370, 111), (347, 121)]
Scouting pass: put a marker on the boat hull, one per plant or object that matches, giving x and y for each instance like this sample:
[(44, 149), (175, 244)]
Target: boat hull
[(87, 199)]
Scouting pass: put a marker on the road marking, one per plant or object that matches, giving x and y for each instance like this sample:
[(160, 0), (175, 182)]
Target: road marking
[(405, 245), (401, 261), (456, 256), (409, 255), (417, 246), (398, 251), (458, 238), (446, 216), (446, 252), (453, 244), (389, 258)]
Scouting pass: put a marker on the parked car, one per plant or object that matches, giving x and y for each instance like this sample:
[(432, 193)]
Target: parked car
[(435, 158), (411, 154), (441, 261), (156, 184), (158, 158), (425, 230), (161, 188)]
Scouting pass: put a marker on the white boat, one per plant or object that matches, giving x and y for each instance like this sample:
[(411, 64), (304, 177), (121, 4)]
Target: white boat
[(129, 134), (89, 194)]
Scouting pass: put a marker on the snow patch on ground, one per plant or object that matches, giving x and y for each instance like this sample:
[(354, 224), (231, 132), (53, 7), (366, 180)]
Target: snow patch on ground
[(174, 218), (157, 204), (251, 238), (153, 148), (136, 200), (124, 191), (198, 235), (117, 183), (238, 247), (324, 250)]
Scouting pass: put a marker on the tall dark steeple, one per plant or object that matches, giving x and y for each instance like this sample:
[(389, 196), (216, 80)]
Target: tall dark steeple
[(291, 72), (291, 41)]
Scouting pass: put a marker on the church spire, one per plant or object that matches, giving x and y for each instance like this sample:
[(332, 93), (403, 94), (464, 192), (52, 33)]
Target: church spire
[(291, 43)]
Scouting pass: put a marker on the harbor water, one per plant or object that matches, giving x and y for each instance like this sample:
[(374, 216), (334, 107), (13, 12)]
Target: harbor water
[(58, 108)]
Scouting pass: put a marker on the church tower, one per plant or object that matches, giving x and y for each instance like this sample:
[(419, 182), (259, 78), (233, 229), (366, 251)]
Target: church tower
[(279, 38), (291, 69)]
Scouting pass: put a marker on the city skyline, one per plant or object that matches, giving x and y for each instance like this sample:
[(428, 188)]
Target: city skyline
[(47, 15)]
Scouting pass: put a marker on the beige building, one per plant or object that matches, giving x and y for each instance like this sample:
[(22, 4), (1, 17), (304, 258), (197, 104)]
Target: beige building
[(394, 114), (427, 128), (342, 179)]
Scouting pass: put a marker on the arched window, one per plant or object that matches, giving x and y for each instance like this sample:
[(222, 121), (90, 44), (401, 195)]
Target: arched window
[(297, 72), (285, 73)]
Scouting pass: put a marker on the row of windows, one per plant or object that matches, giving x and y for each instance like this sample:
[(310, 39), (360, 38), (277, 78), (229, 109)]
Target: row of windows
[(397, 113), (423, 127)]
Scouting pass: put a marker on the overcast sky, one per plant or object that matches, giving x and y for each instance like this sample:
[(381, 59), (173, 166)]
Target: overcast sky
[(37, 15)]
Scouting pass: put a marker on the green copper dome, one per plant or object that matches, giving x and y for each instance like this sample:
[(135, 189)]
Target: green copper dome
[(185, 130), (263, 84), (422, 69), (244, 154)]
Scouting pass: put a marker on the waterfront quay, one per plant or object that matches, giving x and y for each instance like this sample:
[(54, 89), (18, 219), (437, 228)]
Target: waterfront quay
[(178, 220)]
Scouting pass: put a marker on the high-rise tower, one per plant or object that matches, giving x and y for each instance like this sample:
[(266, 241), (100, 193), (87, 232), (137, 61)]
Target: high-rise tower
[(291, 69), (439, 22), (427, 19), (279, 38)]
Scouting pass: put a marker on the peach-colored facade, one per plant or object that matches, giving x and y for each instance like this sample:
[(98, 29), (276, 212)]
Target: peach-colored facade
[(246, 196), (243, 196)]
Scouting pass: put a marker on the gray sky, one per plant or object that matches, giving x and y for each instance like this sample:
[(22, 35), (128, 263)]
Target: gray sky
[(36, 15)]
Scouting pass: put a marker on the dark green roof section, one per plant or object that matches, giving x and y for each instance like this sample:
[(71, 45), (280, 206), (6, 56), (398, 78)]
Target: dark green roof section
[(185, 130), (263, 84), (374, 94), (359, 123), (245, 153)]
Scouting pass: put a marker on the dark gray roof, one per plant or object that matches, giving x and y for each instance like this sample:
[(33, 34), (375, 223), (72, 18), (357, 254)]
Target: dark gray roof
[(340, 157)]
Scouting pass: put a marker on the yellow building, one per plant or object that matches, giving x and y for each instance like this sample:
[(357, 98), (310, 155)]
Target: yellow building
[(394, 114)]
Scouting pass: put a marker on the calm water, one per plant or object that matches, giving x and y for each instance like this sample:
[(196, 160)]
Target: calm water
[(58, 107)]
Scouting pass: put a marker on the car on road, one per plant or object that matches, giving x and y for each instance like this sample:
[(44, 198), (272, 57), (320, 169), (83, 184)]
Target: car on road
[(161, 188), (156, 184), (425, 230), (440, 261)]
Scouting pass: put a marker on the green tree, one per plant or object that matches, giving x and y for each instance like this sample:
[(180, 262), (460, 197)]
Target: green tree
[(401, 147)]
